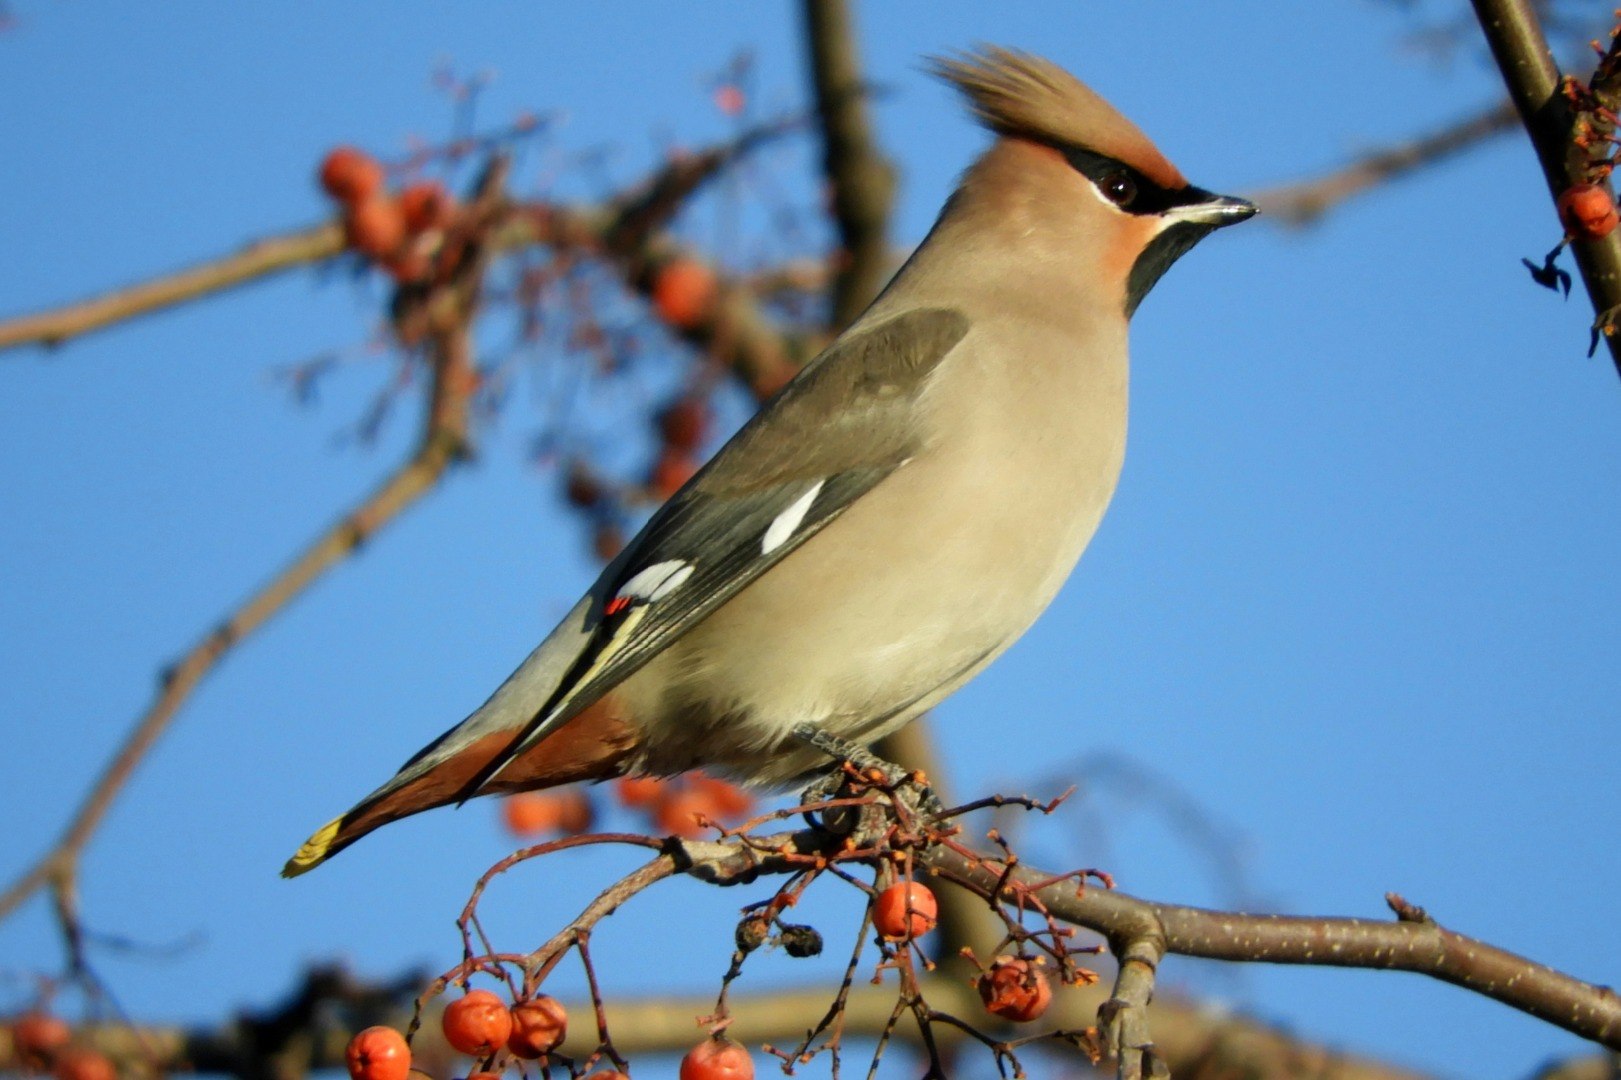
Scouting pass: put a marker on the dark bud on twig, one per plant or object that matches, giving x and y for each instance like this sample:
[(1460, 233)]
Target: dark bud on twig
[(752, 932), (800, 941)]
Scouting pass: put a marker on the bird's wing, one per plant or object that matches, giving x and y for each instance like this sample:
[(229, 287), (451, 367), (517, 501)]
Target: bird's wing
[(834, 433)]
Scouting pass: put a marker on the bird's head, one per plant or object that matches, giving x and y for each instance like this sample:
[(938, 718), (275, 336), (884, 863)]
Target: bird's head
[(1072, 179)]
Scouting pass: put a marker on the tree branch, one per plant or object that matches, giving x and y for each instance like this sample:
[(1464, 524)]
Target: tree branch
[(1303, 202), (259, 259), (443, 441), (1528, 68), (862, 182)]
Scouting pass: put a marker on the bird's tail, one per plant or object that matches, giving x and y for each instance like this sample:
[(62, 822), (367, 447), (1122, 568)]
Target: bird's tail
[(589, 746)]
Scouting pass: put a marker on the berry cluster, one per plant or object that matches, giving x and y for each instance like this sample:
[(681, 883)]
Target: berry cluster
[(400, 231)]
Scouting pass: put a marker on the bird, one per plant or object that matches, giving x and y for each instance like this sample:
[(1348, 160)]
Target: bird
[(895, 517)]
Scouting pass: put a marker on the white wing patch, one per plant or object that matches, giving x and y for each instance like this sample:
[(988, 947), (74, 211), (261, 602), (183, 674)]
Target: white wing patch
[(657, 581), (783, 525)]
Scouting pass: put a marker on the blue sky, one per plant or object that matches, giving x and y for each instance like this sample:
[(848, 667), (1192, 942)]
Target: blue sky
[(1356, 598)]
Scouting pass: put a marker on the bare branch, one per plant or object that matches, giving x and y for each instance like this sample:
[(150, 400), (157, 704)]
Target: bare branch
[(1303, 202), (862, 182), (442, 443), (259, 259)]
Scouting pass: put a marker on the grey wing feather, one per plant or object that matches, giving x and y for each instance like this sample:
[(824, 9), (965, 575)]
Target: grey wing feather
[(842, 426)]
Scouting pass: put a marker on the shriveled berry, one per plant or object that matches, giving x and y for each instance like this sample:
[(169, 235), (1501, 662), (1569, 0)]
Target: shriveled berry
[(801, 941), (539, 1026), (1015, 989), (1588, 210)]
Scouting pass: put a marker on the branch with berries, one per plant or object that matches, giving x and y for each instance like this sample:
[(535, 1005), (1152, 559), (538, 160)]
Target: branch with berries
[(880, 835), (1572, 128)]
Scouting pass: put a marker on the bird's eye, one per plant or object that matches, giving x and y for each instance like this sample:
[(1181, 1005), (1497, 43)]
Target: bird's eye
[(1119, 188)]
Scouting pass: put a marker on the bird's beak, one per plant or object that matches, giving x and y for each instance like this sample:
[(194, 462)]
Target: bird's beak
[(1200, 207)]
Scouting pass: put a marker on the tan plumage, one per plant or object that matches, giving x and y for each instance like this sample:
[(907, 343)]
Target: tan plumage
[(890, 522)]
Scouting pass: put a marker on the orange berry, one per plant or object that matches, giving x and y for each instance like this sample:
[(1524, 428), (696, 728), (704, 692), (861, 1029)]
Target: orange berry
[(730, 801), (532, 813), (1588, 210), (477, 1023), (378, 1053), (638, 791), (905, 910), (538, 1027), (39, 1034), (575, 812), (670, 471), (426, 205), (81, 1064), (729, 99), (677, 812), (607, 540), (375, 227), (350, 175), (717, 1058), (1015, 989), (614, 1074), (683, 292), (529, 813)]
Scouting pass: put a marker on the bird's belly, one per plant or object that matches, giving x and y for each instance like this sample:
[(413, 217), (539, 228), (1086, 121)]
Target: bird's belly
[(890, 608)]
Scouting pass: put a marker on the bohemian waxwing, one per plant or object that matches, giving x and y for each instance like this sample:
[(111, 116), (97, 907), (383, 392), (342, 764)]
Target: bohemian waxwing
[(895, 517)]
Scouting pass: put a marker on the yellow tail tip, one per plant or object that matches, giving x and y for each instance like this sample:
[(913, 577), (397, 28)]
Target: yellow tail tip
[(315, 850)]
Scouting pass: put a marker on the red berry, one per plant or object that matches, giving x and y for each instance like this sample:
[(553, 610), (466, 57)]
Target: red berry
[(730, 801), (717, 1058), (39, 1034), (670, 471), (532, 813), (350, 175), (905, 910), (607, 540), (581, 487), (378, 1053), (683, 292), (729, 99), (375, 227), (538, 1027), (1588, 210), (477, 1023), (638, 791), (1015, 989), (426, 205), (81, 1064), (678, 810), (682, 424)]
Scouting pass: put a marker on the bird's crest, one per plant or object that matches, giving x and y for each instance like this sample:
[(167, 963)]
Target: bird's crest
[(1023, 96)]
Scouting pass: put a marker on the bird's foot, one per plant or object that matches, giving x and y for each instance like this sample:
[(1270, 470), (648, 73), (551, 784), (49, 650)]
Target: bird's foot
[(857, 763)]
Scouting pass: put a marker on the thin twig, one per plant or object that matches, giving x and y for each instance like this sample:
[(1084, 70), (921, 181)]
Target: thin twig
[(1303, 202)]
